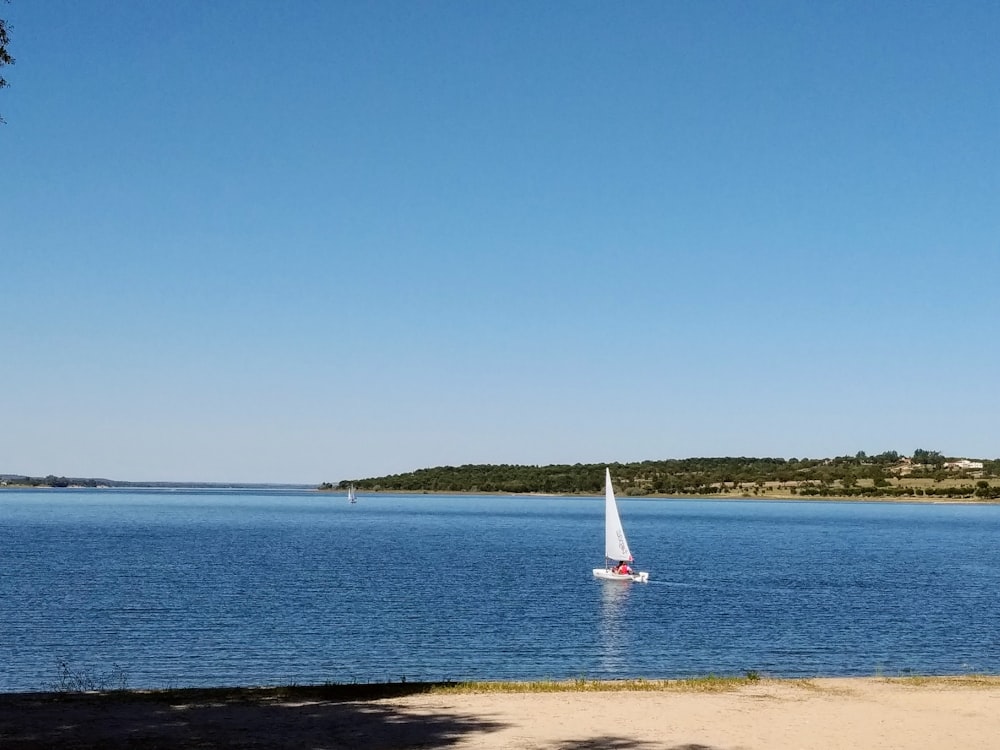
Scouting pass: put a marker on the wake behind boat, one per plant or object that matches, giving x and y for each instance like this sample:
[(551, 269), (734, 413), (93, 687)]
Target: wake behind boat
[(615, 546)]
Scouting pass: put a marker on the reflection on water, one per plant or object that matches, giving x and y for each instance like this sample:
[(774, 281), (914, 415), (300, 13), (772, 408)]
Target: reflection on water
[(614, 596)]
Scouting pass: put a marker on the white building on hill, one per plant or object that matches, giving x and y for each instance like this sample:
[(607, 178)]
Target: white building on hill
[(963, 464)]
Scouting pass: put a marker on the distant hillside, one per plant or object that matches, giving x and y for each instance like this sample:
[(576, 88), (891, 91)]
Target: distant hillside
[(885, 474), (22, 480)]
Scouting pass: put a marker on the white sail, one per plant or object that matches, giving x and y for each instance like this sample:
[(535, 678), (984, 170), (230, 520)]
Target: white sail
[(615, 546), (350, 495)]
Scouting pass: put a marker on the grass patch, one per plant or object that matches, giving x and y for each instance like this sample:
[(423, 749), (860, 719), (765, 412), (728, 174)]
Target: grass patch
[(73, 679), (966, 680), (707, 684), (377, 691)]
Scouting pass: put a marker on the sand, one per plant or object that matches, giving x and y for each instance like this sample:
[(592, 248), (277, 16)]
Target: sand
[(827, 714)]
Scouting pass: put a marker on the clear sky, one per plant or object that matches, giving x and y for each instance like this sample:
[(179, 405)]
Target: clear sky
[(308, 241)]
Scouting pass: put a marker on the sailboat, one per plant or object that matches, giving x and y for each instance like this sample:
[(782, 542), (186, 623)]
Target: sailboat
[(615, 547), (351, 497)]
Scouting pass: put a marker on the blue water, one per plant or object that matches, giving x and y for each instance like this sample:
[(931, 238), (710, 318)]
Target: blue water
[(254, 588)]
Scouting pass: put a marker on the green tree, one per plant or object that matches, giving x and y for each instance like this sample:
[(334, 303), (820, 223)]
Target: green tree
[(930, 458)]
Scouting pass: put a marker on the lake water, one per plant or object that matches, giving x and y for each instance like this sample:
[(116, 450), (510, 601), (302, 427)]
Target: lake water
[(198, 588)]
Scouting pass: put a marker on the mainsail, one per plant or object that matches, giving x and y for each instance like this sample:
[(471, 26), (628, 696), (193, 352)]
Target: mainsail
[(615, 546)]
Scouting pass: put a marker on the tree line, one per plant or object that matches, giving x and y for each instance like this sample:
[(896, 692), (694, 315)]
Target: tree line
[(857, 474), (51, 480), (23, 480)]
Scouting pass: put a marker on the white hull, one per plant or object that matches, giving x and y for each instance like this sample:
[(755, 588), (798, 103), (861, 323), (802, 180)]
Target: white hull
[(607, 575)]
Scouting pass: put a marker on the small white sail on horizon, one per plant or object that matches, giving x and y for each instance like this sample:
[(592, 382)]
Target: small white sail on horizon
[(615, 545), (351, 497)]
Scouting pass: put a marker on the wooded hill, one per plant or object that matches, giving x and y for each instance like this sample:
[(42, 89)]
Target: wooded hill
[(885, 474)]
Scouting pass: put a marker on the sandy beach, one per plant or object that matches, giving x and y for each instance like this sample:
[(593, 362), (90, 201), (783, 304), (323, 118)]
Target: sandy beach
[(828, 714)]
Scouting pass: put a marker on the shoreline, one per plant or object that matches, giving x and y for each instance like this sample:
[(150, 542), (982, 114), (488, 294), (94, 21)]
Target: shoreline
[(764, 497), (928, 713), (922, 500), (364, 691)]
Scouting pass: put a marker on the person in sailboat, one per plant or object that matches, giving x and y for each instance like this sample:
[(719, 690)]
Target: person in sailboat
[(623, 568)]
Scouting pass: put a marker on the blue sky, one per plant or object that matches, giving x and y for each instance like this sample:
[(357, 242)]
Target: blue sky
[(309, 241)]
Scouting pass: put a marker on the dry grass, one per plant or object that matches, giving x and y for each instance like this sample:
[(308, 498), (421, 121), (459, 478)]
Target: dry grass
[(957, 681), (709, 684)]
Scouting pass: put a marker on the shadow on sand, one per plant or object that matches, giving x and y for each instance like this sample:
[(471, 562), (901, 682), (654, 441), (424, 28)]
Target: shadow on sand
[(327, 717)]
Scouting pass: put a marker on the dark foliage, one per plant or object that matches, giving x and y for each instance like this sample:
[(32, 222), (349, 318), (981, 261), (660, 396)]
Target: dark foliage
[(5, 57), (700, 476)]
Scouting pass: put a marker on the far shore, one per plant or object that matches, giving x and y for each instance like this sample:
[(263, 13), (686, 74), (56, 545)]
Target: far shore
[(763, 495), (923, 499), (918, 713)]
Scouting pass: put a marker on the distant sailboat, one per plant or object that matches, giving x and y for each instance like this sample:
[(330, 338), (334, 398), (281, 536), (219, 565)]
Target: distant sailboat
[(615, 546), (351, 497)]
